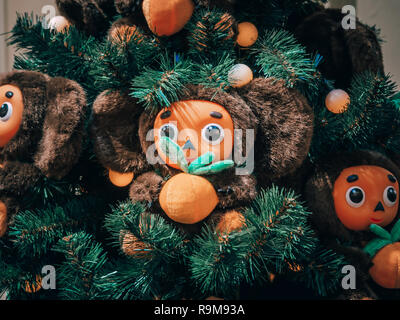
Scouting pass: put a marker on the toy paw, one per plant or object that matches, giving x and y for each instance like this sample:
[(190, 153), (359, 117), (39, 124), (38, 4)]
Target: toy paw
[(229, 222), (188, 199), (386, 268), (3, 219)]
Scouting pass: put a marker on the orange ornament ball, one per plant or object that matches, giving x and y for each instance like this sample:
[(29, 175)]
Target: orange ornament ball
[(120, 179), (167, 17), (247, 34), (337, 101), (385, 270), (3, 219), (188, 199)]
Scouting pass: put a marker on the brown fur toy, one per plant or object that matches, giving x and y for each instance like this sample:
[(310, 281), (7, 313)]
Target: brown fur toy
[(345, 52), (41, 132), (90, 16), (346, 194), (279, 118)]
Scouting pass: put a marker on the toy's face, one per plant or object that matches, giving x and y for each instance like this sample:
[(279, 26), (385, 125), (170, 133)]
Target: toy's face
[(366, 195), (11, 109), (197, 127)]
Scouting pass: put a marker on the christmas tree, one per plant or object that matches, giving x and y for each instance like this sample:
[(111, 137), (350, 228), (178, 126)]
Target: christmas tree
[(104, 244)]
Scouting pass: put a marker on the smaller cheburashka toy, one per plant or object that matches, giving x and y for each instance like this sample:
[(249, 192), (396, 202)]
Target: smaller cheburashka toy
[(354, 198), (41, 131)]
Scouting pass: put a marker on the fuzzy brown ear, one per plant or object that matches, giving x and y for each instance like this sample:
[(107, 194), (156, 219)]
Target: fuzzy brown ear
[(115, 132), (340, 48), (63, 128), (90, 16), (286, 123), (363, 42)]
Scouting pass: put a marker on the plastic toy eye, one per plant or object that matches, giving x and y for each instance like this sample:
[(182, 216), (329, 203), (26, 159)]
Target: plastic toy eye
[(355, 197), (169, 130), (6, 111), (213, 133), (390, 196)]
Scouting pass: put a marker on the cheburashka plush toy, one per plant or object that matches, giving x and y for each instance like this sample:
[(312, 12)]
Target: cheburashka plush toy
[(345, 52), (193, 161), (354, 198), (41, 130)]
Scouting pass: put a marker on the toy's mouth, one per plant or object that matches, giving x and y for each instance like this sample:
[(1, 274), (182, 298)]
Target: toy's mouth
[(376, 220)]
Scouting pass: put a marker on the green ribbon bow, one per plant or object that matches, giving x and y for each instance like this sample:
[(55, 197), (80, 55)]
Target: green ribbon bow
[(201, 166), (384, 238)]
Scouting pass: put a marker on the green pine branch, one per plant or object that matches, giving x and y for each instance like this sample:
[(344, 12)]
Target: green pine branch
[(79, 277), (275, 236), (210, 34), (56, 54), (34, 232), (116, 61), (278, 55), (159, 88), (370, 121)]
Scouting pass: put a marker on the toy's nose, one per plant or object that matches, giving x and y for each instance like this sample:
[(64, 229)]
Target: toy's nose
[(379, 207), (188, 146)]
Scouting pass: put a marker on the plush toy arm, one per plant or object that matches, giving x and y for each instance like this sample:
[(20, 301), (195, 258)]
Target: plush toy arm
[(286, 123), (234, 190), (17, 177), (115, 133), (146, 187), (355, 256), (63, 128)]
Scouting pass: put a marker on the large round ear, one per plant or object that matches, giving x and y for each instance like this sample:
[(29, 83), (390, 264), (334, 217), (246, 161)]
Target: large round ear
[(115, 132), (286, 123), (62, 129), (90, 16), (340, 48)]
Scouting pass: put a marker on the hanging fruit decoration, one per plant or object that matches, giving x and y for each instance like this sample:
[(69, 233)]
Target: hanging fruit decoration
[(187, 198), (167, 17), (240, 75), (337, 101), (247, 34)]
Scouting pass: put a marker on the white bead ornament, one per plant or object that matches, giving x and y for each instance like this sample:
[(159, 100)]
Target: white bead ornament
[(240, 75), (59, 23)]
